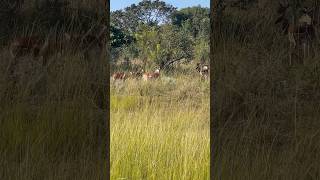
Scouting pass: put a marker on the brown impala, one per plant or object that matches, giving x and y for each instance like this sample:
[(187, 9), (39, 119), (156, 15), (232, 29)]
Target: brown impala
[(119, 76), (203, 70), (36, 46), (44, 47), (300, 32), (150, 76), (26, 45)]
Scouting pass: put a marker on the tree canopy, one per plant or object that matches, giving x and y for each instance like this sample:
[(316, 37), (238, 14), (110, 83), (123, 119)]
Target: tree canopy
[(160, 33)]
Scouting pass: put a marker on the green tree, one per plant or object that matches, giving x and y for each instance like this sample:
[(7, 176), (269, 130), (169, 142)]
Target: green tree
[(175, 45), (119, 38), (195, 20), (145, 12), (148, 44), (202, 51)]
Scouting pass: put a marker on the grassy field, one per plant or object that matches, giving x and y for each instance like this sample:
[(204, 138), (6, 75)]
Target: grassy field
[(267, 111), (160, 129), (51, 118)]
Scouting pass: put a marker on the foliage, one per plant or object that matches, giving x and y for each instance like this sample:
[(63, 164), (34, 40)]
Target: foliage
[(195, 19), (148, 44), (202, 51), (177, 44), (147, 12), (162, 34), (119, 38)]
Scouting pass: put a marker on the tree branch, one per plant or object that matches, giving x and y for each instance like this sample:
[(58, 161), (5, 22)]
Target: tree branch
[(170, 62)]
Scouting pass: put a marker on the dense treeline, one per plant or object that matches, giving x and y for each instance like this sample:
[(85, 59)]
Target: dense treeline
[(157, 34)]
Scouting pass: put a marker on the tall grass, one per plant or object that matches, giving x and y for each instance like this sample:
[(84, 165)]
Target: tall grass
[(266, 120), (51, 120), (160, 129)]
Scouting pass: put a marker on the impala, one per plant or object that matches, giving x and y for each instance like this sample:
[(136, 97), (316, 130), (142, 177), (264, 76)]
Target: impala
[(119, 76), (36, 46), (203, 70), (44, 47), (26, 45), (300, 32), (136, 74), (150, 75)]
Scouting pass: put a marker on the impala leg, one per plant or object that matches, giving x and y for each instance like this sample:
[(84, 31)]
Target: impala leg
[(292, 46), (308, 48), (11, 65), (44, 60), (306, 51), (304, 47), (290, 55), (15, 52)]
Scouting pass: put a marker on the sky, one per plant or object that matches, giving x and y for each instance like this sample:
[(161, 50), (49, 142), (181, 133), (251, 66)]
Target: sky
[(120, 4)]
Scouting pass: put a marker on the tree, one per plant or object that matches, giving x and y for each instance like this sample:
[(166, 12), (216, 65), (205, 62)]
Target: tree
[(175, 45), (153, 12), (125, 20), (147, 12), (195, 20), (119, 38), (202, 51), (161, 34), (148, 44)]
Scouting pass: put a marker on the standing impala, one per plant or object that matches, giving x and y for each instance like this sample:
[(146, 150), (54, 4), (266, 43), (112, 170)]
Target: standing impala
[(203, 70), (39, 48), (300, 32), (26, 45), (136, 74), (150, 75), (119, 76), (44, 47)]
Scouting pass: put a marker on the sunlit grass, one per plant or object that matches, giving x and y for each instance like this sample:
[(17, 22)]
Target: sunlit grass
[(49, 120), (163, 133)]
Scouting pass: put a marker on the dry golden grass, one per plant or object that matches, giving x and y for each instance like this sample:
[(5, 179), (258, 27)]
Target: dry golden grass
[(160, 129), (50, 119)]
